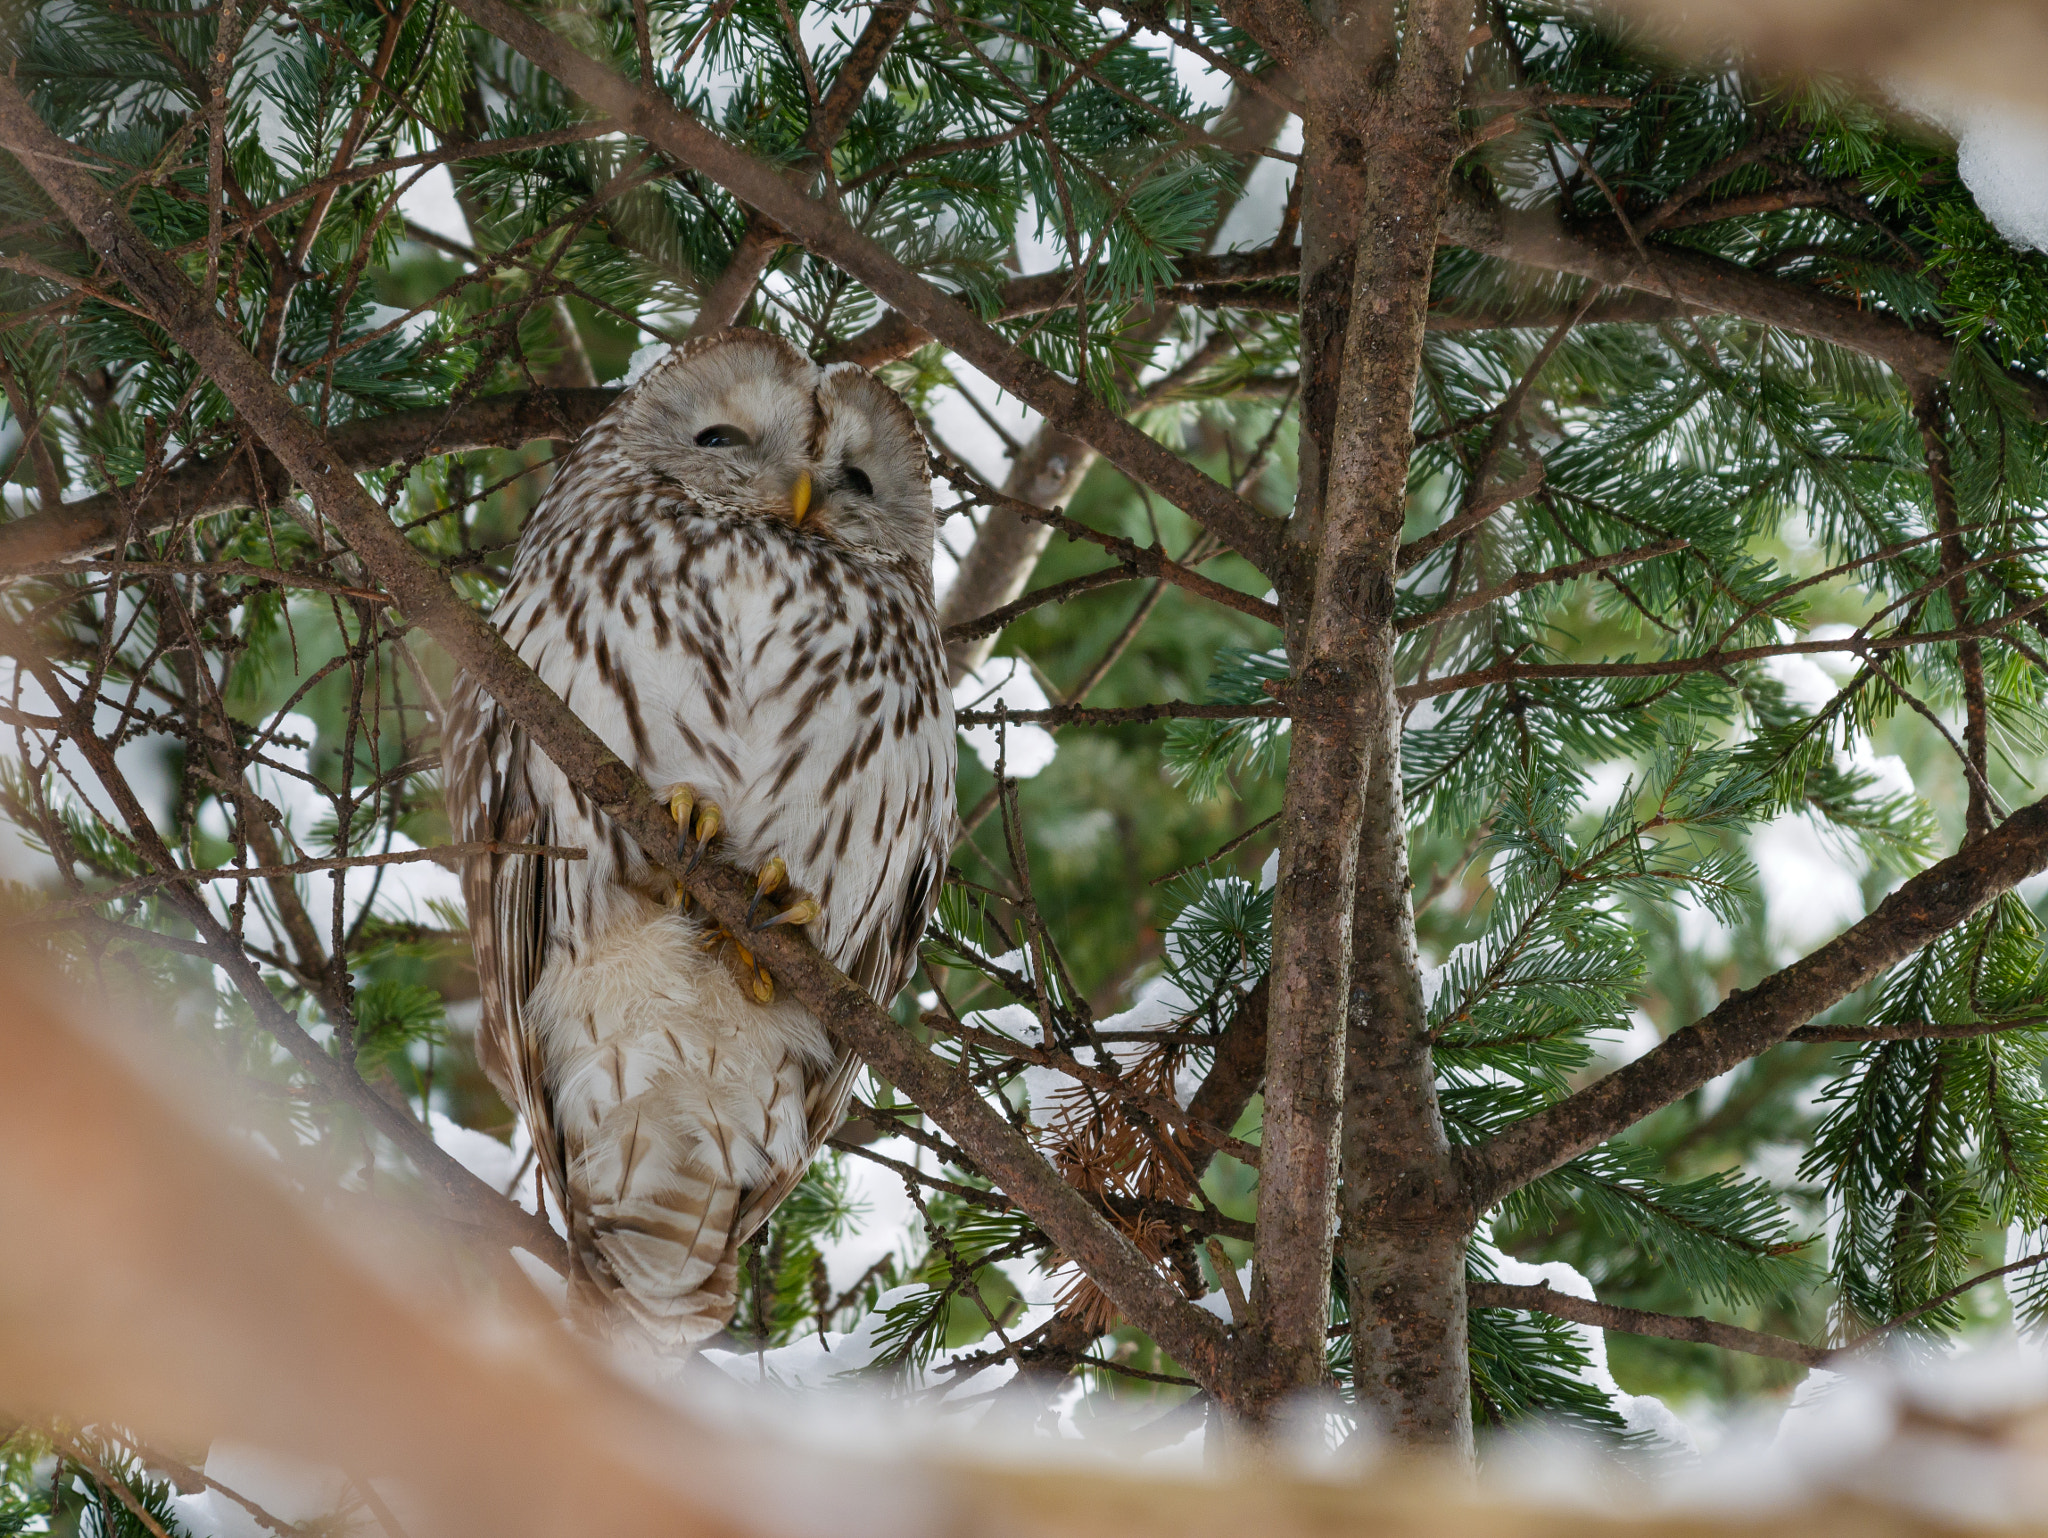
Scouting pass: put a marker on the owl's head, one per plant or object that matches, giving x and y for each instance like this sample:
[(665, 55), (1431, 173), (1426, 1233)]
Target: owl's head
[(748, 426)]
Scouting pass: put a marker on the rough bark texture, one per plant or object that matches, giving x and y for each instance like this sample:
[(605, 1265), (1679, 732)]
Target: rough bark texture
[(1404, 1221), (1380, 136)]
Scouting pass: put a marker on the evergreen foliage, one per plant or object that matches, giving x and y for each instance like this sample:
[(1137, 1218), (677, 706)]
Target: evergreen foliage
[(1735, 609)]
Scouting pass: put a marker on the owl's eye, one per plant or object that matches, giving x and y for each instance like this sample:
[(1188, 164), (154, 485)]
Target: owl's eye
[(856, 480), (722, 435)]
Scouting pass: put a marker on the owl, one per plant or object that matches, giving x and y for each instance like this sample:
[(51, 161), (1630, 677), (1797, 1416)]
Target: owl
[(730, 581)]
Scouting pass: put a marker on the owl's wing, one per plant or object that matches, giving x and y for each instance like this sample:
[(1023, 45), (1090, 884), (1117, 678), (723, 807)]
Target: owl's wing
[(825, 1095), (491, 799), (882, 966)]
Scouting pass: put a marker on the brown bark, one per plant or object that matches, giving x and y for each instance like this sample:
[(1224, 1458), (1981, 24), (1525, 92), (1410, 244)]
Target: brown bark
[(1378, 145), (463, 1197), (1405, 1223), (422, 592), (1603, 253), (1236, 1073)]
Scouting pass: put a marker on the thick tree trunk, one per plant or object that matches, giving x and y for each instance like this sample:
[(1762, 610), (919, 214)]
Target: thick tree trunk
[(1404, 1222), (1380, 135)]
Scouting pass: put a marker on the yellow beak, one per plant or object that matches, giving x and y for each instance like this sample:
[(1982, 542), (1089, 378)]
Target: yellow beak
[(800, 496)]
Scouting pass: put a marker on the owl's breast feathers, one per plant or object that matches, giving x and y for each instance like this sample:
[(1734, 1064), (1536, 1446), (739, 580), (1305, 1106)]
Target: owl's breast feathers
[(797, 684)]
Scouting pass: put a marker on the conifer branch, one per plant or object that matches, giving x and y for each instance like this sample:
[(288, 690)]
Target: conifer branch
[(1604, 254), (1067, 405), (1522, 581), (1753, 1020), (202, 488), (1543, 1299), (1124, 715)]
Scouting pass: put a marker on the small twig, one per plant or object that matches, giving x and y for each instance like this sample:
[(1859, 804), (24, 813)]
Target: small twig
[(1230, 847), (1127, 715), (2024, 1264), (1919, 1031), (440, 854)]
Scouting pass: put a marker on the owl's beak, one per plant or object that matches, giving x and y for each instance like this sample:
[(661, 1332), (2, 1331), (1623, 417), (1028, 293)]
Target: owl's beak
[(800, 496)]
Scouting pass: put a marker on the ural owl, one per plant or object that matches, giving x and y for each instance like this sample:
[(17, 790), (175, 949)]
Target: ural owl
[(730, 581)]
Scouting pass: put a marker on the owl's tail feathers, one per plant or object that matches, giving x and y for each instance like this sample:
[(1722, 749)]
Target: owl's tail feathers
[(653, 1236)]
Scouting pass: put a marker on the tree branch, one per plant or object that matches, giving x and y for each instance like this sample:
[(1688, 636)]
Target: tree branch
[(1604, 254), (1522, 581), (1753, 1020), (1635, 1321), (209, 486), (1122, 715)]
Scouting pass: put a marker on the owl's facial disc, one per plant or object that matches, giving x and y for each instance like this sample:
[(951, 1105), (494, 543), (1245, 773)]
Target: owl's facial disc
[(872, 490), (730, 420)]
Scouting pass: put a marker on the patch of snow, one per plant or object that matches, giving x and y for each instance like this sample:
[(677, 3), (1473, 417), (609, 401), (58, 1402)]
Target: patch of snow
[(643, 359), (2001, 154), (1640, 1412), (290, 1489), (1812, 888), (1623, 1048), (431, 203), (886, 1219), (495, 1163)]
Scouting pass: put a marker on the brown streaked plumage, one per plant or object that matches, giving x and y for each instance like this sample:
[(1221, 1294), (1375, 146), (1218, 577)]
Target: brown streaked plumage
[(730, 580)]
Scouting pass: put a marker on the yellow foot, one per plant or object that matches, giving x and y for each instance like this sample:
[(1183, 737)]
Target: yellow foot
[(697, 823), (796, 907), (745, 967), (771, 888)]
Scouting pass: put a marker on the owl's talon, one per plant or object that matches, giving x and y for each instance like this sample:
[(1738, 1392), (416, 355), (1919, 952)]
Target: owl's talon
[(709, 821), (774, 877), (681, 799), (800, 912), (747, 971)]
